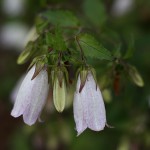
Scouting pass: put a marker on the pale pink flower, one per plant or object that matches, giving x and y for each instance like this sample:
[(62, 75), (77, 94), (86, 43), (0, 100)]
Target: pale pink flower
[(31, 97), (15, 90), (89, 109)]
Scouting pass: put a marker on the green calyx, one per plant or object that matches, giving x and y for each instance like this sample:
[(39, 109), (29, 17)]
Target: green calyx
[(39, 62), (83, 77), (83, 72)]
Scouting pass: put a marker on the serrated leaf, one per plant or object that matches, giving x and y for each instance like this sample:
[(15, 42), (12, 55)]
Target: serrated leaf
[(56, 40), (61, 18), (59, 43), (135, 76), (95, 11), (92, 48)]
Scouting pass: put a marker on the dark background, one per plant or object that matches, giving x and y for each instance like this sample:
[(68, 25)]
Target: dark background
[(128, 112)]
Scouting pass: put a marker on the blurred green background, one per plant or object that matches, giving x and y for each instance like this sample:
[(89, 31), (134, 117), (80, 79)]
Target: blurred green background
[(115, 21)]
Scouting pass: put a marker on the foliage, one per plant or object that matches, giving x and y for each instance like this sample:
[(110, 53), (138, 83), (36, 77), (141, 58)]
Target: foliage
[(108, 43), (92, 48)]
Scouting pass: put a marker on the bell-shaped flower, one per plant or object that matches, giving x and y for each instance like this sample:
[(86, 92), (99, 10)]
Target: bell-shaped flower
[(88, 106), (31, 96)]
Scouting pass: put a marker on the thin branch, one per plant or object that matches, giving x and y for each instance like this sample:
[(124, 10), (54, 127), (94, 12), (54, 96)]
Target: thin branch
[(81, 50)]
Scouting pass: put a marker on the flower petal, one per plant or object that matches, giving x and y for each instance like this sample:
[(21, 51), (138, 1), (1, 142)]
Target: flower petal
[(14, 92), (78, 107), (96, 118), (37, 98)]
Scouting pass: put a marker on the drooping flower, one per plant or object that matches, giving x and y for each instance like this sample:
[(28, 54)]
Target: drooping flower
[(88, 106), (31, 97)]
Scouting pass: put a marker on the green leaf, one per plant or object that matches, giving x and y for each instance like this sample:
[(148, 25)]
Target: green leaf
[(95, 11), (61, 18), (33, 49), (26, 54), (56, 40), (135, 76), (117, 51), (49, 39), (131, 49), (92, 48), (59, 43)]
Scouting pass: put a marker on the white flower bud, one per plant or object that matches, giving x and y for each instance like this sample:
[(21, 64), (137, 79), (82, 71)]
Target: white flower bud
[(59, 92)]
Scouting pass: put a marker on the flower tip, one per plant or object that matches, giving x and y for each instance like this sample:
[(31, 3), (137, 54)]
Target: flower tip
[(59, 91), (29, 123), (98, 127), (60, 110), (14, 114), (79, 133), (29, 120)]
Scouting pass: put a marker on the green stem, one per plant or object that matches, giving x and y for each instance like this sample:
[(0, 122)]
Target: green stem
[(59, 59), (81, 51)]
